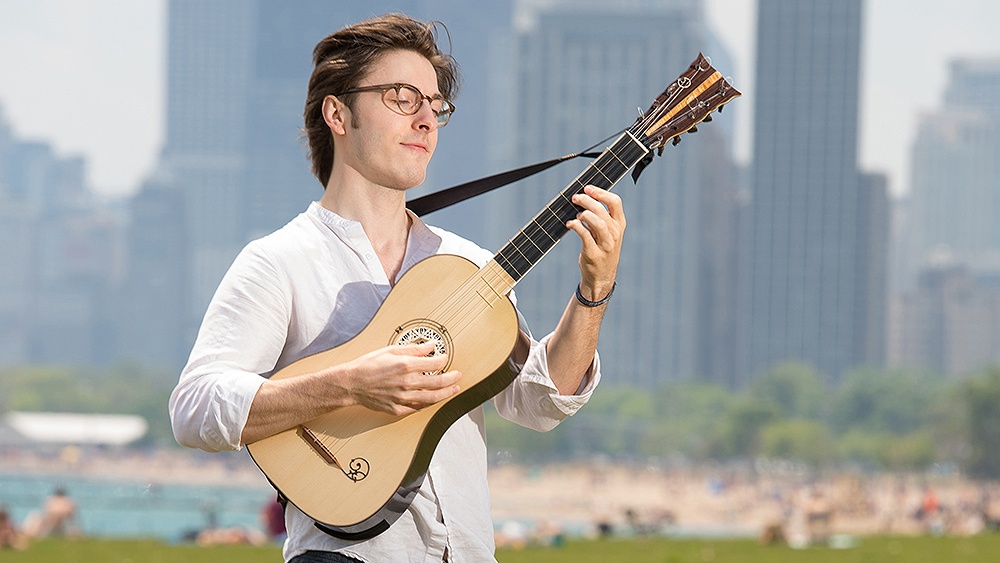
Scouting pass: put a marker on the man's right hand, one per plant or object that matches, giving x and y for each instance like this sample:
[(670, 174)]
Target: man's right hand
[(400, 380)]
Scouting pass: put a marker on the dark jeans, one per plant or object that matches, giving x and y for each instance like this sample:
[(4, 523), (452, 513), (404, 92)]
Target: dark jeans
[(323, 557)]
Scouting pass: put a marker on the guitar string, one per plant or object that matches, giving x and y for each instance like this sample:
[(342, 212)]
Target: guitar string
[(471, 301)]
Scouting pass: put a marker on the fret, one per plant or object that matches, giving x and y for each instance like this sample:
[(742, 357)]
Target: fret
[(535, 239)]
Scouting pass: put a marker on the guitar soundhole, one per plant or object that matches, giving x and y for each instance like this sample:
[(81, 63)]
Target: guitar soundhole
[(422, 331)]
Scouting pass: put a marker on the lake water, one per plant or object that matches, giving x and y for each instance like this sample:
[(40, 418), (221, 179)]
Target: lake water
[(135, 509)]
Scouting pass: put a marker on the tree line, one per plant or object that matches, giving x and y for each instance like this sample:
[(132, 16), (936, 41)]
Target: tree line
[(880, 419), (884, 419)]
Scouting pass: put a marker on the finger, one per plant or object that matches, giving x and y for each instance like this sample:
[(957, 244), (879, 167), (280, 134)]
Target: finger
[(402, 410), (589, 203), (427, 396), (589, 244), (596, 233), (435, 381), (600, 210), (599, 228), (613, 202), (421, 349), (427, 363)]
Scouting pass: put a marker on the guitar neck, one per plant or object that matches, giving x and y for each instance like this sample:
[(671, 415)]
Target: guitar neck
[(535, 239)]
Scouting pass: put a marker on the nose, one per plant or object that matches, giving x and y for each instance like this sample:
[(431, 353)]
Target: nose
[(424, 119)]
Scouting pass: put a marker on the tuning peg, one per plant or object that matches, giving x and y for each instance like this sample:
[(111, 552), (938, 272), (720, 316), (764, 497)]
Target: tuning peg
[(721, 108), (676, 141), (708, 119), (659, 151), (693, 129)]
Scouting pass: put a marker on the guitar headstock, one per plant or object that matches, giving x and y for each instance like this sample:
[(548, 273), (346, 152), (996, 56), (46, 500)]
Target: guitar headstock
[(686, 102)]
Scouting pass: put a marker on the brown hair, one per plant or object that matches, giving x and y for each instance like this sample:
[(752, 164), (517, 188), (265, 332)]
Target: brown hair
[(344, 57)]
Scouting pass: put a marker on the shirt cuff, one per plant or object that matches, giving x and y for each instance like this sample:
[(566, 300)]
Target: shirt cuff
[(536, 370)]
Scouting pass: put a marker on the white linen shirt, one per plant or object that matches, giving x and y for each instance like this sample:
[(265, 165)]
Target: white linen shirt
[(308, 287)]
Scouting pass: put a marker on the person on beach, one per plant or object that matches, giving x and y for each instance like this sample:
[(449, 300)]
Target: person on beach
[(379, 93), (57, 517), (10, 536)]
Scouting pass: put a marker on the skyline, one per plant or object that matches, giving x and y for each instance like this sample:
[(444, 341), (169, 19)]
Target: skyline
[(91, 77)]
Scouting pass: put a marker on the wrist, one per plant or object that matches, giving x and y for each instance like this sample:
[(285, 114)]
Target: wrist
[(586, 302)]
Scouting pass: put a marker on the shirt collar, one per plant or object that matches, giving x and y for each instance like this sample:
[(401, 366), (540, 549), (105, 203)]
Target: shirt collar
[(348, 229)]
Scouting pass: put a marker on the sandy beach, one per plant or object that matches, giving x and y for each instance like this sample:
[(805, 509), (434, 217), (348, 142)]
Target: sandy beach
[(622, 498), (708, 501)]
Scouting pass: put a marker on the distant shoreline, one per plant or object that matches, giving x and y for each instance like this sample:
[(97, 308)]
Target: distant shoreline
[(159, 466), (602, 493)]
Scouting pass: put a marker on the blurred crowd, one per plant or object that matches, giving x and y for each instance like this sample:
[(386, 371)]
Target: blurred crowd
[(797, 509)]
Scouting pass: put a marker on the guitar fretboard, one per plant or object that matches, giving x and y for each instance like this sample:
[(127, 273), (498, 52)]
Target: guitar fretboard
[(536, 238)]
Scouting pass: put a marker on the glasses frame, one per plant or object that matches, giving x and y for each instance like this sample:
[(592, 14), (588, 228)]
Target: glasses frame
[(442, 117)]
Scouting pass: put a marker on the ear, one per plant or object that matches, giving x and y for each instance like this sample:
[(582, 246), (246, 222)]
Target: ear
[(335, 115)]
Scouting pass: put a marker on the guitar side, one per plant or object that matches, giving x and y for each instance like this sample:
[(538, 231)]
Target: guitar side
[(355, 470)]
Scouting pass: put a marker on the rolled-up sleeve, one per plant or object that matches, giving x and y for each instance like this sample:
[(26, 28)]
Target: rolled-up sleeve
[(240, 339), (534, 401)]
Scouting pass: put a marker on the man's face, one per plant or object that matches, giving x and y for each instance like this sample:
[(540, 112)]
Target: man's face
[(384, 147)]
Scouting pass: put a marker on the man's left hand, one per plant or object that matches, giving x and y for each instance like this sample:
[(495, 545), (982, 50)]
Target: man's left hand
[(601, 226)]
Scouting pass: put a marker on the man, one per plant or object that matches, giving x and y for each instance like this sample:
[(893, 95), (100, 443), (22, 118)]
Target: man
[(379, 92)]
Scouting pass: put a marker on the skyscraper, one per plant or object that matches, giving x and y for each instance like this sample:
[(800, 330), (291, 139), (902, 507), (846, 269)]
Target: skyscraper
[(809, 226), (944, 309), (578, 71), (209, 48), (61, 253), (955, 196)]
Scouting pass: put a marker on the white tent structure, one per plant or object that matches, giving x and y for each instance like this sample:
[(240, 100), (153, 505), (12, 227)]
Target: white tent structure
[(77, 429)]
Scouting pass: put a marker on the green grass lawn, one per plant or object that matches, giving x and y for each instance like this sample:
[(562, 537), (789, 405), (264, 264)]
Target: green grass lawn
[(660, 550)]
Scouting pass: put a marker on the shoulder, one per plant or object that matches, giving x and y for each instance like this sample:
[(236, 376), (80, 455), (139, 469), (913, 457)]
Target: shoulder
[(271, 256), (455, 244), (296, 237)]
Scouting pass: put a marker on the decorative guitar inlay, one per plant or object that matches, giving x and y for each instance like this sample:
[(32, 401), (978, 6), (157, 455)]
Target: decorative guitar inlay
[(421, 331)]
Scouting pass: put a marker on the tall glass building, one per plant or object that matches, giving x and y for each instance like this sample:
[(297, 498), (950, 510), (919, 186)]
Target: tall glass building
[(808, 283)]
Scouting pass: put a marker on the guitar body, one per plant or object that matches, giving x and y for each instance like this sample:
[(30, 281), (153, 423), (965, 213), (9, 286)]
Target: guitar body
[(355, 470)]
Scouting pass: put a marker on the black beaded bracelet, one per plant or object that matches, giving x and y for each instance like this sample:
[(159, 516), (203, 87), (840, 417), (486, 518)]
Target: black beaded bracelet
[(588, 303)]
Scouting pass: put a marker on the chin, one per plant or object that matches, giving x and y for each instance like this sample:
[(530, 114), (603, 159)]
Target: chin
[(410, 183)]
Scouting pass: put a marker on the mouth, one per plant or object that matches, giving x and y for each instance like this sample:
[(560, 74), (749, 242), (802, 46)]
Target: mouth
[(419, 147)]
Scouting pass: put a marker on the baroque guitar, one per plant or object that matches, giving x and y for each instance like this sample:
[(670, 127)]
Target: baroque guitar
[(355, 471)]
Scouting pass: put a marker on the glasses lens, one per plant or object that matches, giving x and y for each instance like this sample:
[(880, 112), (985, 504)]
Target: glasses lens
[(444, 112), (405, 98), (407, 101)]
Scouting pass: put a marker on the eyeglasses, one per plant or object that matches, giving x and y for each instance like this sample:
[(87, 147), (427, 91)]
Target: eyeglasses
[(405, 99)]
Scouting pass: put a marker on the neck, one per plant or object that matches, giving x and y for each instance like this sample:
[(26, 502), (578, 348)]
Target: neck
[(381, 212)]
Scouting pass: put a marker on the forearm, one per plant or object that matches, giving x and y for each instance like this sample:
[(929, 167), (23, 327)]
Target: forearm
[(281, 404), (600, 225), (573, 344), (392, 379)]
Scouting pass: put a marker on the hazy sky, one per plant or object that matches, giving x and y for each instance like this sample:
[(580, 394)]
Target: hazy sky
[(87, 75)]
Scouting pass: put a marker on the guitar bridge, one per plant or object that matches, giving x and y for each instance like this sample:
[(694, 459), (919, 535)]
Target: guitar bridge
[(357, 469)]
